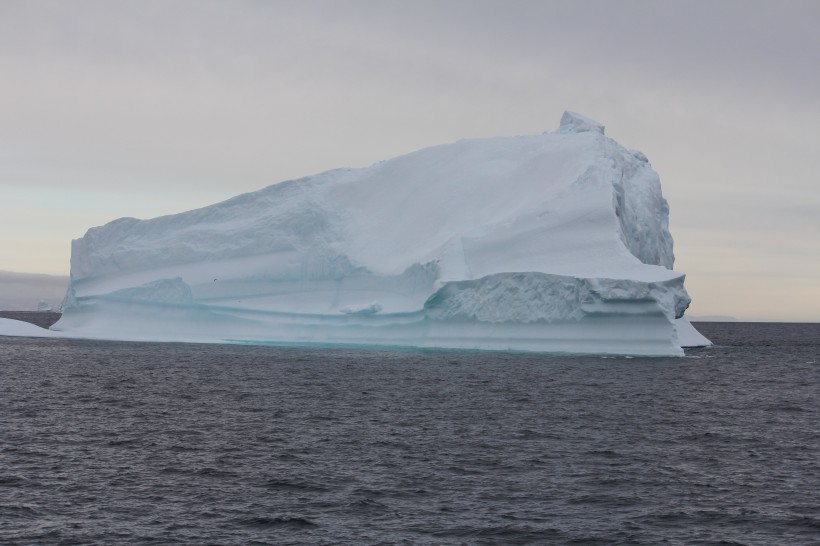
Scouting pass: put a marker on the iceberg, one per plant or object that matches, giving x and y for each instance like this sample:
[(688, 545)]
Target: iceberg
[(557, 243)]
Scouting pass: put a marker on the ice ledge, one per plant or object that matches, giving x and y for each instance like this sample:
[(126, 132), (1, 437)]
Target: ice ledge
[(688, 336), (529, 311), (572, 122)]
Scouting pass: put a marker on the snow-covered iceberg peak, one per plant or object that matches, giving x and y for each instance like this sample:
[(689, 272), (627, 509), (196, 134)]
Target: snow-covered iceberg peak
[(556, 242)]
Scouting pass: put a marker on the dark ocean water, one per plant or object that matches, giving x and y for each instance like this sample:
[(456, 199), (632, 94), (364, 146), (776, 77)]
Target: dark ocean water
[(127, 443)]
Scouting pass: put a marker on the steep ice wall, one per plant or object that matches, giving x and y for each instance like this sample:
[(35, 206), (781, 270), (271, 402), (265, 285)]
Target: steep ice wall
[(553, 242)]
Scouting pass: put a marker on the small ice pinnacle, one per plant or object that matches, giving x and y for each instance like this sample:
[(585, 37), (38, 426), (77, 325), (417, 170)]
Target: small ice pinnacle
[(572, 122)]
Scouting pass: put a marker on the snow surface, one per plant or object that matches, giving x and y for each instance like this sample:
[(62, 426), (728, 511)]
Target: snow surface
[(556, 242), (11, 327), (688, 336)]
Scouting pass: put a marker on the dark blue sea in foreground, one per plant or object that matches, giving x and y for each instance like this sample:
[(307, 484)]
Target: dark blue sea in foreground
[(128, 443)]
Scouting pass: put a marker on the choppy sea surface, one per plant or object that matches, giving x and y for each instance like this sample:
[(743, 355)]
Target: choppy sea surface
[(129, 443)]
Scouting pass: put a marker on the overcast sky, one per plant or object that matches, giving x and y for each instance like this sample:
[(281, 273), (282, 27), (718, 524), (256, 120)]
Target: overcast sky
[(142, 108)]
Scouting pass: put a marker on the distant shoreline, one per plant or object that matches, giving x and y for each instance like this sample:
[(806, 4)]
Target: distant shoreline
[(43, 319)]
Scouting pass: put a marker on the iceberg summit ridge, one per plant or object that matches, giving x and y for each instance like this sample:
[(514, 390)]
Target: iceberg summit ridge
[(556, 242)]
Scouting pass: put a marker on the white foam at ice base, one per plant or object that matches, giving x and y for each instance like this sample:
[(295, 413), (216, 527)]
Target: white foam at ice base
[(556, 242)]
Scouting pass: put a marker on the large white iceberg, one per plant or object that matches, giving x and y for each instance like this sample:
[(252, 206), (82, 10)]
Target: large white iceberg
[(556, 242)]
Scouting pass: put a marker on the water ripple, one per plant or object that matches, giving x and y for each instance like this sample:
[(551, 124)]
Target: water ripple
[(104, 443)]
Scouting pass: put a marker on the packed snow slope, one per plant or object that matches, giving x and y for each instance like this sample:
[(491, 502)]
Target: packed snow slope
[(556, 242)]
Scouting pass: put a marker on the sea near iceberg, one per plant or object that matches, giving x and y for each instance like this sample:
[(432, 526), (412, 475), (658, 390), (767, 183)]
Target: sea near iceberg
[(105, 442)]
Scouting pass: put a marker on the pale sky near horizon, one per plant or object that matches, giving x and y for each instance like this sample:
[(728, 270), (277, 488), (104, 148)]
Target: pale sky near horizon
[(143, 108)]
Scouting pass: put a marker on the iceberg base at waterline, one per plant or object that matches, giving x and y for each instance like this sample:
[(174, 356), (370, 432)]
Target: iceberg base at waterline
[(522, 312), (634, 336), (554, 243)]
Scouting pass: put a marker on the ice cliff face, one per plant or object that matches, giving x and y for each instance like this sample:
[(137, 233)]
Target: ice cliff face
[(556, 242)]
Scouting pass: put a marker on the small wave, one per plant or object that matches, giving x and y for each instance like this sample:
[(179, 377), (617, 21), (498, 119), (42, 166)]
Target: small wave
[(291, 485), (528, 434), (214, 473), (368, 492), (704, 437), (785, 407), (178, 447), (608, 500), (18, 510), (12, 479), (368, 505), (806, 521), (123, 442), (605, 453), (464, 471), (665, 518), (505, 533), (293, 522)]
